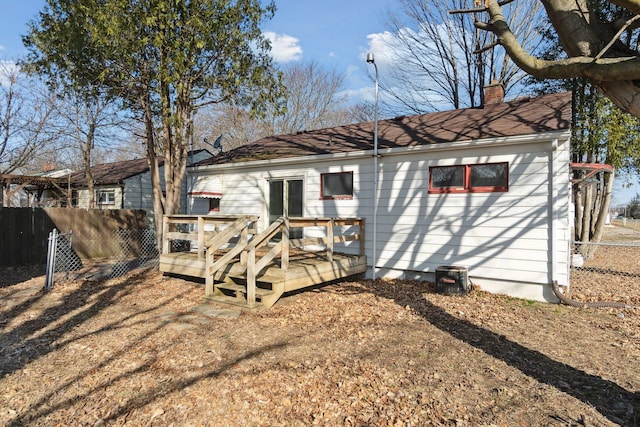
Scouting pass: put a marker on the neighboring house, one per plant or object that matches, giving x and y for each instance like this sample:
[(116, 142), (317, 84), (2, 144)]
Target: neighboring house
[(120, 185), (482, 188), (27, 190)]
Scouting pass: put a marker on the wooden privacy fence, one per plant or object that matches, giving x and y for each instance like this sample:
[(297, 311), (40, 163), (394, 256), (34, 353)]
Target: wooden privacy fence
[(24, 231)]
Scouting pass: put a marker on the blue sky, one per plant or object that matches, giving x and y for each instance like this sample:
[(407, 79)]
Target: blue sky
[(334, 33)]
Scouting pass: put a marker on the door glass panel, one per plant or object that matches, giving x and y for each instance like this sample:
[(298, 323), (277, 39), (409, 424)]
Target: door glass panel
[(276, 200), (294, 205)]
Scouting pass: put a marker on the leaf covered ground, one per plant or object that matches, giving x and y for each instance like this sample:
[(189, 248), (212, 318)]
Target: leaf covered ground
[(145, 350)]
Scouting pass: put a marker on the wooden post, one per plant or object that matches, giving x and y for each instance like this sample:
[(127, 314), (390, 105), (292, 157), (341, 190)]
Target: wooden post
[(284, 259), (251, 277), (330, 240), (208, 276), (244, 239), (361, 237), (165, 234), (200, 237)]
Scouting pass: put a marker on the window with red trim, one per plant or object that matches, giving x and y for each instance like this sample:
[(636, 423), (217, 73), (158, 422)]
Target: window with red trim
[(477, 178), (336, 185)]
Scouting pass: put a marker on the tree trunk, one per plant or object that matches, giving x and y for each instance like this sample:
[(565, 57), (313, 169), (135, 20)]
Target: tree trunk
[(152, 160), (87, 167), (603, 210)]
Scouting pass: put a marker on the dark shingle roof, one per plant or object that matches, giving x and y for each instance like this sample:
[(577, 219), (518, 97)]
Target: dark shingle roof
[(520, 117), (113, 173), (116, 172)]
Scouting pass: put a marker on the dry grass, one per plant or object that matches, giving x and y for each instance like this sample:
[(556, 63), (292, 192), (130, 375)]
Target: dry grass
[(142, 350)]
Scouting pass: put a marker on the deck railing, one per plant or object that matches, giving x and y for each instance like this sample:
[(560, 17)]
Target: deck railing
[(200, 230), (337, 230), (224, 241)]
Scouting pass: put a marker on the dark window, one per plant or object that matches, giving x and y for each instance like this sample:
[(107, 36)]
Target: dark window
[(106, 197), (336, 185), (214, 205), (478, 178), (447, 177), (492, 176)]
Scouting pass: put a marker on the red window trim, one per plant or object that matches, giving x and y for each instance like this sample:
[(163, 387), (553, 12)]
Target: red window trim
[(467, 181), (338, 197)]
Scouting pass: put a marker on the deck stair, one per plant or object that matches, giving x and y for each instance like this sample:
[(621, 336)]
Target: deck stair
[(253, 271)]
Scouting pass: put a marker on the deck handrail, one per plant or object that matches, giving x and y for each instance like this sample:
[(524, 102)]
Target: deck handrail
[(227, 228), (200, 235), (283, 225)]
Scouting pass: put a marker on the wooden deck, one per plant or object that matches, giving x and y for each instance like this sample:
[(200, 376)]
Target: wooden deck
[(253, 270)]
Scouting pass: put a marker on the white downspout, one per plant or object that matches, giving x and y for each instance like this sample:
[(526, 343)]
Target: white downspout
[(371, 60), (553, 202)]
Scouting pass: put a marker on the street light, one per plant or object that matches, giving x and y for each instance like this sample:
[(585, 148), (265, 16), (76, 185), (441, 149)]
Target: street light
[(371, 60)]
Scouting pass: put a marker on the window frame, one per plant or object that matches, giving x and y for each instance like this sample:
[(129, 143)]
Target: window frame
[(466, 179), (337, 196), (112, 193)]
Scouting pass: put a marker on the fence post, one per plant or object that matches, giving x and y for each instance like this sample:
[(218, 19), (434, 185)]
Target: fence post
[(51, 259)]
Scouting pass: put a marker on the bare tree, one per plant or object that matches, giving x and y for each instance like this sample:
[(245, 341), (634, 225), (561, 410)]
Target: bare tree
[(234, 123), (90, 123), (313, 101), (25, 113), (601, 47), (437, 60)]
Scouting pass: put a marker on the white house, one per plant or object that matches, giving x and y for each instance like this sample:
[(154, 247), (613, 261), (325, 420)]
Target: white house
[(125, 184), (483, 188), (117, 185)]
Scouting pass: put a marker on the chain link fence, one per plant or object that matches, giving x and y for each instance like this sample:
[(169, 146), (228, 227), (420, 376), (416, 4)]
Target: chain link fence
[(609, 269), (128, 249)]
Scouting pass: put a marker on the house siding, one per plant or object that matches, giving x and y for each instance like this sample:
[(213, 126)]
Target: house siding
[(504, 239), (83, 197)]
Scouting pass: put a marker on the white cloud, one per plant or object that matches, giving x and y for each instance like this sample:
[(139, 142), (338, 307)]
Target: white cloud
[(7, 68), (380, 45), (284, 48)]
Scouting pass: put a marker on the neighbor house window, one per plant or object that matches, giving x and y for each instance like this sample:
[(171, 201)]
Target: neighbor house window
[(106, 197), (478, 178), (336, 185)]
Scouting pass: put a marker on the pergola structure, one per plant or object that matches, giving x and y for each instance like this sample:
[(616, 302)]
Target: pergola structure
[(11, 184), (590, 169)]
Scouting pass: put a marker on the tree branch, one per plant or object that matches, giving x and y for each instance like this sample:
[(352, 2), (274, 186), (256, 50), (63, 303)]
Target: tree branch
[(617, 36), (598, 70)]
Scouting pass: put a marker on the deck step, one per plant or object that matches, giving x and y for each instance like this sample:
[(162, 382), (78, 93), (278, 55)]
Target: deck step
[(233, 301), (241, 288), (259, 279)]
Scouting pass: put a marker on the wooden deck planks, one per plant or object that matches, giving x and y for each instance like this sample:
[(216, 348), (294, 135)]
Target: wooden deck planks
[(305, 268)]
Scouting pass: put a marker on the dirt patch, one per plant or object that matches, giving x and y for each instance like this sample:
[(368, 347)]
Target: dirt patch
[(144, 350)]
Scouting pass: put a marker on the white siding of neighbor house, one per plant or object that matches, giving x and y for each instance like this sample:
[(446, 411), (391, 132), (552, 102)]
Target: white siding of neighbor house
[(83, 197), (504, 239)]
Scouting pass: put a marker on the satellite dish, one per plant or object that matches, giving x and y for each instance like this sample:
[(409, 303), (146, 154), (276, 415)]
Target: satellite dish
[(217, 143)]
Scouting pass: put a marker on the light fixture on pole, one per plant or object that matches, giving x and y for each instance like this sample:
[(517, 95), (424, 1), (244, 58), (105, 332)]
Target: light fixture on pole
[(371, 60)]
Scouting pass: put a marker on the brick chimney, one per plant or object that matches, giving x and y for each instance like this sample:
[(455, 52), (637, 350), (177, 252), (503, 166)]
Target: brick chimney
[(48, 167), (493, 93)]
